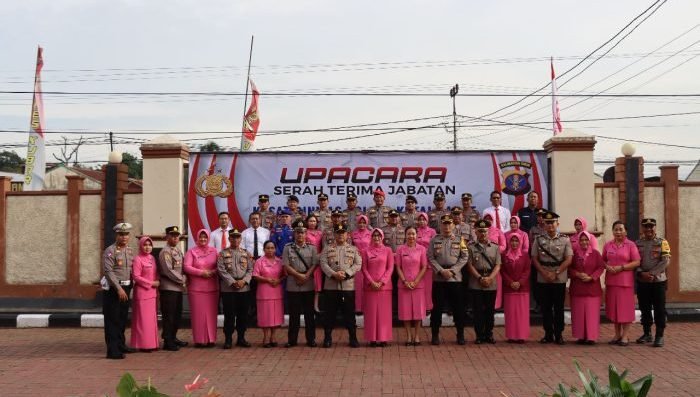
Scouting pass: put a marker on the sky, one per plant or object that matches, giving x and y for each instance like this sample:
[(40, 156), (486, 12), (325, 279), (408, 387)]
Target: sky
[(311, 47)]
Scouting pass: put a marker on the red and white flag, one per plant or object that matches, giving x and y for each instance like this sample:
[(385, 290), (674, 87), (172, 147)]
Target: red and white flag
[(35, 166), (556, 119), (251, 122)]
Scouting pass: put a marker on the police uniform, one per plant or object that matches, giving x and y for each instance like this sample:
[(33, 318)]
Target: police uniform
[(656, 256), (300, 297), (116, 266), (467, 210), (552, 252), (323, 216), (235, 265), (484, 261), (350, 215), (408, 219), (172, 285), (296, 214), (394, 236), (462, 230), (378, 215), (329, 233), (447, 253), (340, 294), (435, 214)]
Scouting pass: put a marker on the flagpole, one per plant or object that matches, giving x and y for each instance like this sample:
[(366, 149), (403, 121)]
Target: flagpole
[(247, 80)]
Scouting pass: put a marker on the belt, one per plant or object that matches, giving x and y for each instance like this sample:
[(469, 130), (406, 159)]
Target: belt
[(125, 283), (550, 264)]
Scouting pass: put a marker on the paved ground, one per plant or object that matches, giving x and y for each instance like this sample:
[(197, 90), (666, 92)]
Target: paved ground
[(69, 362)]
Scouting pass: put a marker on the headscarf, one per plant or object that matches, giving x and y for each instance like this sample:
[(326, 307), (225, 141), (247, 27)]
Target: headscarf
[(579, 251), (494, 231), (205, 231), (584, 224), (362, 217), (142, 242), (514, 254), (424, 216), (372, 244), (517, 219)]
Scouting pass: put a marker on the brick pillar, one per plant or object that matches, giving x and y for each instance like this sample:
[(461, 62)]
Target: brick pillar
[(669, 177), (629, 176), (116, 182), (75, 184), (5, 186)]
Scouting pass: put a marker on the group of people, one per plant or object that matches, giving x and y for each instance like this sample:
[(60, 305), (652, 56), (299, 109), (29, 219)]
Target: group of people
[(333, 262)]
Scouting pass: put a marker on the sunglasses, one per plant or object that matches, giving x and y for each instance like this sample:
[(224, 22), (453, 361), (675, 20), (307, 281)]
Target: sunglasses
[(495, 197)]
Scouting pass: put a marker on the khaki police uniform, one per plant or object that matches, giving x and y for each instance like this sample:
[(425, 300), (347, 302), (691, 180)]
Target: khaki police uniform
[(408, 219), (656, 256), (172, 286), (378, 216), (464, 231), (350, 217), (339, 295), (116, 266), (324, 219), (394, 236), (234, 265), (483, 259), (300, 297)]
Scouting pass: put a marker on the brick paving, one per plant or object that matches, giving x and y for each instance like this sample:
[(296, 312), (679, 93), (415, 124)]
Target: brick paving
[(69, 362)]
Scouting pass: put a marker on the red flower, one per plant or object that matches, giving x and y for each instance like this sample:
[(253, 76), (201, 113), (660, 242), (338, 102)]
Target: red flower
[(196, 383)]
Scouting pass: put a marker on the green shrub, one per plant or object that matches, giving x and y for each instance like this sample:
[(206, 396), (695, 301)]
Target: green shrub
[(618, 385)]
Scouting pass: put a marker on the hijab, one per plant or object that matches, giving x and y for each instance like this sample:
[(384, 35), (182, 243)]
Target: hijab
[(374, 246), (514, 254), (142, 242), (579, 251)]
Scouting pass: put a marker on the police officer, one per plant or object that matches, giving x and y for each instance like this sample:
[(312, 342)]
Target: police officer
[(294, 210), (467, 209), (283, 233), (408, 217), (394, 233), (437, 213), (172, 285), (551, 254), (484, 265), (447, 257), (462, 229), (379, 213), (528, 215), (235, 268), (323, 213), (352, 212), (329, 234), (339, 262), (300, 260), (116, 266), (269, 218), (651, 281)]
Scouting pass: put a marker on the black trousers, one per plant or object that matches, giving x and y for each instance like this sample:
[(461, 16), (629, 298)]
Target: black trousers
[(339, 300), (444, 292), (652, 295), (484, 303), (552, 304), (236, 305), (301, 303), (116, 315), (171, 310)]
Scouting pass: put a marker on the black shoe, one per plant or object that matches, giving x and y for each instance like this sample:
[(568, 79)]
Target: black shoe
[(180, 343), (127, 349), (267, 345), (242, 343), (461, 341), (479, 341), (372, 344), (227, 345), (520, 341), (490, 340), (273, 344), (119, 356), (327, 342), (615, 341), (435, 341), (171, 348), (580, 341), (354, 343), (311, 344), (645, 338), (290, 344), (559, 340), (623, 343), (590, 342), (547, 339), (409, 344), (383, 344), (659, 341)]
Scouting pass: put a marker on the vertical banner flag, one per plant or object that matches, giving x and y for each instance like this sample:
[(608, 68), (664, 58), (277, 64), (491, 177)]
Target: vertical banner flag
[(251, 122), (556, 119), (35, 166)]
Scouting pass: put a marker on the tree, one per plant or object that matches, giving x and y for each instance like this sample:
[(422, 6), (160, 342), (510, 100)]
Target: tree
[(210, 146), (67, 153), (11, 162), (135, 165)]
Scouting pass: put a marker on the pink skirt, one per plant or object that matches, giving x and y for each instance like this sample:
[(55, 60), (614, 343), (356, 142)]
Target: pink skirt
[(204, 306), (516, 309), (411, 304), (428, 287), (270, 312), (144, 324), (378, 326), (499, 292), (585, 317), (318, 279), (359, 291), (619, 304)]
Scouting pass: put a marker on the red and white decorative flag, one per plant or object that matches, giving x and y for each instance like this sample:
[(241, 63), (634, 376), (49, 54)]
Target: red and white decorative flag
[(251, 122), (35, 166), (556, 119)]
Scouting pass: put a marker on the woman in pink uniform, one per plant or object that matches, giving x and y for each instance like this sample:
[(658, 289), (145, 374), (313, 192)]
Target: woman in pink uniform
[(497, 237), (424, 234), (202, 290), (269, 273), (377, 268), (581, 225), (361, 238), (522, 236), (515, 269), (584, 272), (621, 257), (144, 324), (314, 236), (411, 266)]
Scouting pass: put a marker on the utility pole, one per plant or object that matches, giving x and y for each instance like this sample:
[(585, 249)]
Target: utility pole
[(111, 142), (453, 94)]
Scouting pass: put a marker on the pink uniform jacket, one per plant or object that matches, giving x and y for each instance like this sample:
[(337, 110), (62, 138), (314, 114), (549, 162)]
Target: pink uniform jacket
[(267, 268), (197, 260), (615, 255), (144, 273), (377, 266), (592, 264), (411, 260)]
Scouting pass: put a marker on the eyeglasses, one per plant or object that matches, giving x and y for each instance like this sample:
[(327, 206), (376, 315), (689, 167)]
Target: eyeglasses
[(495, 197), (648, 226)]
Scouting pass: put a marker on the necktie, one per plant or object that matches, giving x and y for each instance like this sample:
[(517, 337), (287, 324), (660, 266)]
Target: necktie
[(498, 218), (223, 239), (255, 243)]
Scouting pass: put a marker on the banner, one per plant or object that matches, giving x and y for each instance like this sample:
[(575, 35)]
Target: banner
[(232, 181), (251, 122), (35, 165), (556, 118)]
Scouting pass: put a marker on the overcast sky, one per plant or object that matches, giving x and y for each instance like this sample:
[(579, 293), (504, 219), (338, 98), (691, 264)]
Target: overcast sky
[(308, 46)]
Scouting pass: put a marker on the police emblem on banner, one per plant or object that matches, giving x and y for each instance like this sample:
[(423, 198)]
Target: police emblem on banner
[(515, 177), (218, 185)]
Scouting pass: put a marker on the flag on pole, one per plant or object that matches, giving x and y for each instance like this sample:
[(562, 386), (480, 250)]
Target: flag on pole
[(251, 122), (556, 119), (35, 166)]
